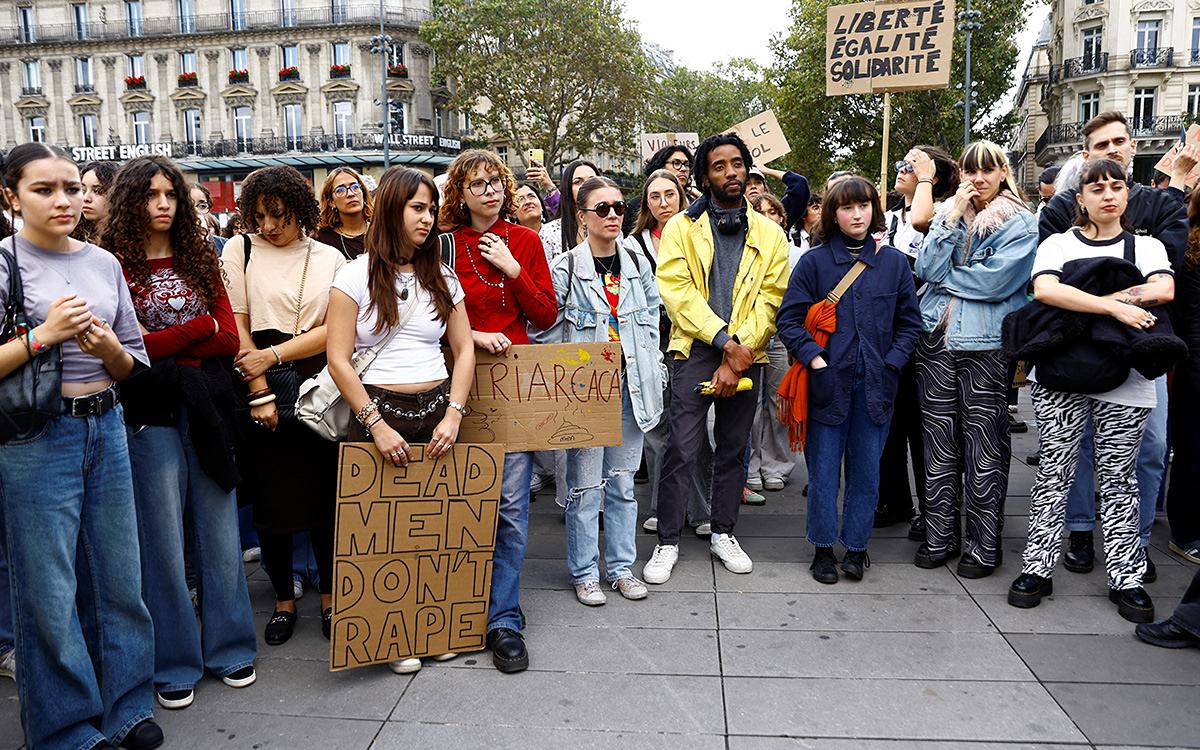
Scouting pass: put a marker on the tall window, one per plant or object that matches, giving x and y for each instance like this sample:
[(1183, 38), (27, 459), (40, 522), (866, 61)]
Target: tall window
[(133, 13), (396, 54), (399, 116), (339, 10), (191, 127), (187, 16), (1091, 47), (87, 130), (465, 119), (1089, 105), (28, 23), (287, 12), (1143, 107), (343, 124), (83, 72), (293, 125), (239, 59), (187, 62), (341, 53), (136, 65), (1193, 100), (1147, 35), (79, 20), (237, 14), (241, 127), (439, 121), (31, 71), (1194, 54), (289, 55), (37, 129), (141, 127)]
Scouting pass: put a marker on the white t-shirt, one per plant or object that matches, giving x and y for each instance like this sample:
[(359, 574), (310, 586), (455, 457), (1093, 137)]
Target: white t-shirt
[(414, 355), (1150, 256), (902, 235)]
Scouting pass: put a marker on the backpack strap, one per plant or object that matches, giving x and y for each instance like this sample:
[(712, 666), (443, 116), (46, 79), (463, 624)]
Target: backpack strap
[(892, 229), (446, 242), (836, 294), (1131, 248), (646, 252)]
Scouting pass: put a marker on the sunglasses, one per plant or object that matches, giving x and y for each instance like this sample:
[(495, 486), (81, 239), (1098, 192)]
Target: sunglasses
[(602, 209), (903, 167)]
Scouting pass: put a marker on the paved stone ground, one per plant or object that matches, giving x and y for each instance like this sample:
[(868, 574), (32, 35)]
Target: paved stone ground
[(907, 658)]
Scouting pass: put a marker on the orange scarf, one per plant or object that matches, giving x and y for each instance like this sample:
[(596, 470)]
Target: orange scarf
[(821, 323)]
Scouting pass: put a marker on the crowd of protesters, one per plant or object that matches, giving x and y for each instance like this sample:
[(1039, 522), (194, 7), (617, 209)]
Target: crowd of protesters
[(755, 331)]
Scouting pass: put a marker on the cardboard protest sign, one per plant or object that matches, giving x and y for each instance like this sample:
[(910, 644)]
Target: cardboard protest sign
[(764, 137), (1167, 162), (888, 45), (652, 142), (546, 396), (412, 560)]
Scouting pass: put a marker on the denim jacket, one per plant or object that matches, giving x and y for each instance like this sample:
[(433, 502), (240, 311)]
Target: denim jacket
[(877, 318), (583, 316), (973, 281)]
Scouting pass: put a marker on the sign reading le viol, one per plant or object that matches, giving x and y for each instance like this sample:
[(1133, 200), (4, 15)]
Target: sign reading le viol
[(412, 559), (888, 45)]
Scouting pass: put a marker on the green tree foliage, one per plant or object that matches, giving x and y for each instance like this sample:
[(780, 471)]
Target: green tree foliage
[(845, 132), (560, 75), (708, 102)]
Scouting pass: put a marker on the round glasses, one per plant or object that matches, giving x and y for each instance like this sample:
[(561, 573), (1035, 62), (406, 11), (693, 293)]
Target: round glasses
[(342, 191), (679, 165), (480, 187)]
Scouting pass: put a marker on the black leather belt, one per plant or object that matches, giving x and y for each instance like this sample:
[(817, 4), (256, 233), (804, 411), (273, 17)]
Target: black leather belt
[(93, 405)]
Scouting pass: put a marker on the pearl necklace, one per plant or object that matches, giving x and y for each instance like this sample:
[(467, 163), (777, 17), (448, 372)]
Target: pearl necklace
[(501, 285)]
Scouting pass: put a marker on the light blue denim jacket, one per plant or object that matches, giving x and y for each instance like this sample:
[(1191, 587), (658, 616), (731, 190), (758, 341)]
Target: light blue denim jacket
[(583, 317), (972, 285)]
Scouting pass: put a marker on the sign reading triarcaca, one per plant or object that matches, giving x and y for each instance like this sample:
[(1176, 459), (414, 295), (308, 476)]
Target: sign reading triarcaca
[(546, 396), (888, 45), (412, 560)]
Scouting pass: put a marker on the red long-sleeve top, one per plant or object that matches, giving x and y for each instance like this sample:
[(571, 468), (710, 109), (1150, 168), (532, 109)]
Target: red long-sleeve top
[(176, 321), (529, 298)]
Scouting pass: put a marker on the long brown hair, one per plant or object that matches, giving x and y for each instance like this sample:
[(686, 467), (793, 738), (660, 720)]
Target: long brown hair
[(1192, 257), (128, 227), (454, 212), (387, 247), (330, 216), (645, 219)]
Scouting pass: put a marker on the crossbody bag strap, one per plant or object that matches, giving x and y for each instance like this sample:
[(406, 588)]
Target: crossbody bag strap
[(446, 241), (839, 291), (1130, 248)]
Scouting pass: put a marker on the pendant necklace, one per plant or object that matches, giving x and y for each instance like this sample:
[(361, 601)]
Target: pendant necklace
[(494, 285)]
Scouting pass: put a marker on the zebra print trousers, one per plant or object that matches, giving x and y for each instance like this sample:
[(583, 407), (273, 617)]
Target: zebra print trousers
[(964, 419), (1061, 418)]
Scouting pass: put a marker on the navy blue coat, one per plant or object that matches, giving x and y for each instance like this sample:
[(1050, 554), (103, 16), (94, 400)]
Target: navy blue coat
[(879, 315)]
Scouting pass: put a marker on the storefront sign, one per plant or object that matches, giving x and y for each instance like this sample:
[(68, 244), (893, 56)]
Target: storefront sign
[(121, 152)]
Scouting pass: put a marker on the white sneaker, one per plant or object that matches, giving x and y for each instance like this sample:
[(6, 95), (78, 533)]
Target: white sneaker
[(774, 484), (446, 656), (704, 529), (8, 664), (254, 554), (755, 483), (174, 700), (297, 589), (658, 568), (405, 666), (589, 593), (650, 524), (726, 549), (630, 588), (244, 677)]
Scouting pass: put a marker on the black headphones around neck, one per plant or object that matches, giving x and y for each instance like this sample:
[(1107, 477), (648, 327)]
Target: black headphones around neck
[(727, 224)]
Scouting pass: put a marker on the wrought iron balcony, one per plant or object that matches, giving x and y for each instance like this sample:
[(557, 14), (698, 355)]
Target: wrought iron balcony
[(1194, 57), (1042, 142), (1152, 57), (1085, 66), (85, 88), (311, 144), (1163, 125), (31, 91)]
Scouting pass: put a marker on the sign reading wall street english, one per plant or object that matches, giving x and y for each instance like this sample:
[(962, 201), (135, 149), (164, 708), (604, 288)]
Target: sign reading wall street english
[(546, 396), (763, 136), (652, 142), (122, 152), (888, 45), (412, 559)]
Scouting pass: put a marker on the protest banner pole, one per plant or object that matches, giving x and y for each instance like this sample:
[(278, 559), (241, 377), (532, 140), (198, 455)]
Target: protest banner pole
[(887, 128)]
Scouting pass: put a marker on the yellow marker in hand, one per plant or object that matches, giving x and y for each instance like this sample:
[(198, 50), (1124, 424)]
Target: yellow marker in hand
[(706, 388)]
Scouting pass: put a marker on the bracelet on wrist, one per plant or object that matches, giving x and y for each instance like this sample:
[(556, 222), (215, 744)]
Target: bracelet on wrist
[(368, 409), (278, 359), (924, 180), (262, 401), (460, 408), (260, 394), (373, 420)]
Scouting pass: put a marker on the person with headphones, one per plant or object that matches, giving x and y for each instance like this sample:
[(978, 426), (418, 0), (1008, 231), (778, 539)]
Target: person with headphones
[(722, 271)]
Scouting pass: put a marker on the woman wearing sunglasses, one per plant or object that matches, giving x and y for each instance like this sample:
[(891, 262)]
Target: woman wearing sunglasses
[(345, 212), (606, 293)]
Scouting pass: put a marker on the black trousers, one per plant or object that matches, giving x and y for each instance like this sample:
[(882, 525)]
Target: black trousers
[(689, 426), (1183, 505), (1187, 614), (904, 436)]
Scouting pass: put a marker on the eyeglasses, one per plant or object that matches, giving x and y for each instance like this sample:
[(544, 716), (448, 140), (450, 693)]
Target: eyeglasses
[(342, 191), (679, 165), (480, 187), (602, 209), (903, 167)]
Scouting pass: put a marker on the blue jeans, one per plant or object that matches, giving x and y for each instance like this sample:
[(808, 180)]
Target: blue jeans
[(604, 475), (512, 536), (169, 481), (1151, 472), (7, 639), (68, 515), (857, 443)]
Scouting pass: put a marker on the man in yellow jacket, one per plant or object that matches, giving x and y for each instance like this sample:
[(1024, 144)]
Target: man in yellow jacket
[(722, 271)]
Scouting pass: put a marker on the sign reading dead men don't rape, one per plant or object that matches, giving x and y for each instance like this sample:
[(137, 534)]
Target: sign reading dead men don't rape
[(888, 45), (412, 563)]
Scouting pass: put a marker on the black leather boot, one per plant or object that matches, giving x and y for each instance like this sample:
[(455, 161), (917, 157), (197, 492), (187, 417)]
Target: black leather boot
[(508, 650), (1081, 552), (1027, 591)]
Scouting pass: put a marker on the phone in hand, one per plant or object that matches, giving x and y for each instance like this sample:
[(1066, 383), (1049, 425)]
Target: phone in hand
[(535, 156)]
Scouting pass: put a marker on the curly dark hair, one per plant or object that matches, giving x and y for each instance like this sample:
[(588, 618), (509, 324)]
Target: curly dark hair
[(284, 193), (128, 227), (705, 149)]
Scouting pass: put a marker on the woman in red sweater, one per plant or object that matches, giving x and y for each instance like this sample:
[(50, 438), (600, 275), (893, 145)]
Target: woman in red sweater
[(179, 415), (502, 268)]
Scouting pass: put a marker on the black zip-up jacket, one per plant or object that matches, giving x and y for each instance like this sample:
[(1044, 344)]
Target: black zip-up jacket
[(1157, 213)]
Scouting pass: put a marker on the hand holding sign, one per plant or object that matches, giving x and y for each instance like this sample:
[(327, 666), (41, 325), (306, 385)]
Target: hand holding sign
[(888, 46), (1168, 165)]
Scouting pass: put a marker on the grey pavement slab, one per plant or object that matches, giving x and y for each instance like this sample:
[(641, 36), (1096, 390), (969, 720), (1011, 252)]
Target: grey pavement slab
[(203, 728), (661, 609), (1057, 614), (1172, 581), (408, 735), (880, 578), (825, 743), (897, 709), (1132, 714), (863, 612), (886, 656), (1115, 659)]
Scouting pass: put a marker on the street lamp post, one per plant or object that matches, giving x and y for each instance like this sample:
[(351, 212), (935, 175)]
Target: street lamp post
[(968, 22), (382, 44)]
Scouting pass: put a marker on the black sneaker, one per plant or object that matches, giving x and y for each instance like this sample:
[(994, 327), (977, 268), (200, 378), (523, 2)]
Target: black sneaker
[(1027, 591), (1017, 425), (1151, 574), (1081, 552), (916, 529), (327, 621), (1033, 459), (1167, 634), (279, 628), (1133, 604), (240, 678), (854, 563), (145, 735), (174, 700), (824, 566)]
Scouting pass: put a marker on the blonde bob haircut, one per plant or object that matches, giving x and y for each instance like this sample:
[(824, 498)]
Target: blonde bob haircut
[(987, 156), (454, 212), (330, 217)]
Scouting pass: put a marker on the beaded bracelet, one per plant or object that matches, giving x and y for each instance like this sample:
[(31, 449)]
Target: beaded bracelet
[(372, 421), (366, 411)]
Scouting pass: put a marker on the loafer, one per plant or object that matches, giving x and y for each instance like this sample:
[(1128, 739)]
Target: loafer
[(1081, 552), (824, 566), (1133, 604), (927, 560), (326, 621), (145, 735), (279, 628), (968, 567), (1151, 574), (854, 564), (1166, 634), (916, 529), (1027, 591), (508, 650)]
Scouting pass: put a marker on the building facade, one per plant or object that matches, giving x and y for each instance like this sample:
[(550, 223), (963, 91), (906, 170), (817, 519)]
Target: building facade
[(1031, 118), (1140, 57), (225, 86)]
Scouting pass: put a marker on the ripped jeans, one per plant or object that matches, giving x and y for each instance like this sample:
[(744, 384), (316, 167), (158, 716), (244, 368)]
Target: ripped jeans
[(596, 475)]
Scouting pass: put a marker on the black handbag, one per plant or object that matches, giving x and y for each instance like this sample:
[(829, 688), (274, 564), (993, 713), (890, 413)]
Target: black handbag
[(31, 395)]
